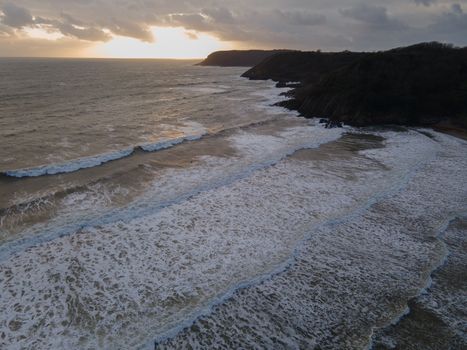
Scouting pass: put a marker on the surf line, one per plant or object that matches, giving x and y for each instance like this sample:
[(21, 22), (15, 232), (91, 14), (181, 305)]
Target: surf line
[(126, 214), (283, 267), (426, 285), (93, 161)]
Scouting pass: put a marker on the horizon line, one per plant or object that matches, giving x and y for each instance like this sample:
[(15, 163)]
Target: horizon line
[(103, 58)]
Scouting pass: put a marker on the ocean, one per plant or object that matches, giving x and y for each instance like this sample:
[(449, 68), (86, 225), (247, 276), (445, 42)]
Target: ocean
[(157, 204)]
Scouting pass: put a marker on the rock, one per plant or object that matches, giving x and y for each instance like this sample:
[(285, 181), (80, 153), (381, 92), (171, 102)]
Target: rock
[(333, 124), (422, 84), (297, 66)]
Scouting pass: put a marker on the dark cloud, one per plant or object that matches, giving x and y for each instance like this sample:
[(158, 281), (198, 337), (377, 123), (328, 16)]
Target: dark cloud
[(457, 9), (373, 16), (425, 2), (15, 16), (219, 15), (83, 33), (301, 18), (296, 24), (451, 25), (70, 26), (130, 29), (193, 21)]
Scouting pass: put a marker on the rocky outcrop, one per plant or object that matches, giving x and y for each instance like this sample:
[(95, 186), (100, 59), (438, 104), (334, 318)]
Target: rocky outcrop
[(303, 67), (423, 84), (419, 85)]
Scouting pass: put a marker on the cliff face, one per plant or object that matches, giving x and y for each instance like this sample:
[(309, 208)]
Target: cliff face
[(304, 67), (419, 85), (422, 84), (238, 58)]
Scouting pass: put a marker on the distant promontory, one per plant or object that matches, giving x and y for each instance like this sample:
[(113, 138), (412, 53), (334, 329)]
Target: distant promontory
[(238, 58)]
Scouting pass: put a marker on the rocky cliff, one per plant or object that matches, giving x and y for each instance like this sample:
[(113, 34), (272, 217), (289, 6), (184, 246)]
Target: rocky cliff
[(423, 84)]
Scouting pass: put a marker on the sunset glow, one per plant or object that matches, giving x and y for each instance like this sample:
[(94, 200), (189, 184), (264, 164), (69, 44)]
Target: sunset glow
[(38, 33), (170, 42)]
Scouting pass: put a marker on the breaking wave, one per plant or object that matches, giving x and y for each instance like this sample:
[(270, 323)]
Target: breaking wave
[(93, 161)]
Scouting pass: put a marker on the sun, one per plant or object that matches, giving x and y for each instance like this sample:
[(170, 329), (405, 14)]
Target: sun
[(170, 42)]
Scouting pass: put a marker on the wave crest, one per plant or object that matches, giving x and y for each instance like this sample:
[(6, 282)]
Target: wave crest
[(93, 161)]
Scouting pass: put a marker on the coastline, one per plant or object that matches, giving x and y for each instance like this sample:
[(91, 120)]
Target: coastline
[(277, 286), (451, 130), (283, 233), (419, 85)]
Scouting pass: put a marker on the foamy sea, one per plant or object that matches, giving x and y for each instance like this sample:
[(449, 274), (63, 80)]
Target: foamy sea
[(182, 210)]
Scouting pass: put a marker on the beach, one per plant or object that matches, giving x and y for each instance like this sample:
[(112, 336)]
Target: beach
[(232, 223)]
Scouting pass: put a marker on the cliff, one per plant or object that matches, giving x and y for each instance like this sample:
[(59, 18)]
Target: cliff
[(423, 84), (238, 58), (304, 67)]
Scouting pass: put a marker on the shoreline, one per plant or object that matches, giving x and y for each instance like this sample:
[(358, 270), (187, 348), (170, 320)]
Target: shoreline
[(458, 132), (188, 332), (335, 226), (375, 88)]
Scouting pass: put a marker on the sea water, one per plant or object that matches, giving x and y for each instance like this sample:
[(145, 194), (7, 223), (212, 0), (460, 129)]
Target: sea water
[(160, 204)]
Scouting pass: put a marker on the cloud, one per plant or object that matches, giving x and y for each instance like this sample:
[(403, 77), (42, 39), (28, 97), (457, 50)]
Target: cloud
[(72, 27), (373, 16), (193, 21), (18, 17), (296, 24), (5, 31), (191, 35), (425, 2), (130, 29), (457, 9), (301, 18), (15, 16), (450, 25), (21, 47), (83, 33), (219, 15)]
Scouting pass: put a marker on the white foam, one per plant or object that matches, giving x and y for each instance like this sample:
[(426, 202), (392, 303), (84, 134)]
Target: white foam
[(352, 273), (70, 166), (123, 278), (190, 131), (206, 89), (270, 96), (256, 151), (137, 279)]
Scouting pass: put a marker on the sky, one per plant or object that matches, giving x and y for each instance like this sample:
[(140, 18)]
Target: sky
[(194, 28)]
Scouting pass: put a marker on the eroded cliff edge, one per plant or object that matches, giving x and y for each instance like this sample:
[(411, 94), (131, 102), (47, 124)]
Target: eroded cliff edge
[(423, 84)]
